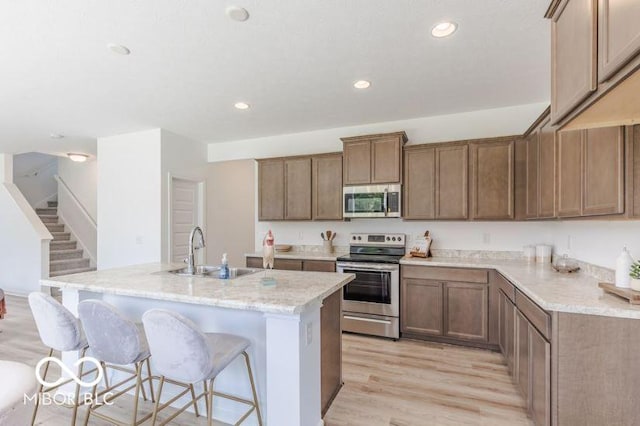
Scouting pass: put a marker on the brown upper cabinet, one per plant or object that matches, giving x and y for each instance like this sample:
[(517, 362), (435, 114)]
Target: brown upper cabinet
[(326, 184), (573, 55), (300, 188), (595, 63), (373, 159), (540, 170), (492, 179), (532, 185), (618, 35), (435, 181), (591, 172)]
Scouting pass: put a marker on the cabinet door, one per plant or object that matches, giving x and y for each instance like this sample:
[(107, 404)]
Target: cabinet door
[(492, 189), (532, 176), (522, 355), (297, 189), (540, 377), (506, 326), (451, 182), (254, 262), (386, 160), (357, 163), (618, 35), (287, 264), (573, 55), (603, 171), (327, 187), (466, 307), (421, 311), (331, 352), (569, 173), (546, 171), (419, 184), (319, 266), (271, 190)]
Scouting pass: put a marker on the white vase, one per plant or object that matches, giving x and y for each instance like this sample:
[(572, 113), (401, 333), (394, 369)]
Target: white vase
[(635, 284)]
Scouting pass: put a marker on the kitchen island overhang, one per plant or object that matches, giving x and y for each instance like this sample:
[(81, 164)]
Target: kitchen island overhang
[(282, 322)]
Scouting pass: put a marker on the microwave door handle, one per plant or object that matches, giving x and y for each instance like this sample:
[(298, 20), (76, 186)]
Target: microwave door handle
[(385, 202)]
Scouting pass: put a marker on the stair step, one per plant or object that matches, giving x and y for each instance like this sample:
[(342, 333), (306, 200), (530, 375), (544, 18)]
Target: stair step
[(55, 227), (47, 211), (65, 254), (52, 204), (62, 245), (61, 236), (67, 264), (70, 271), (45, 218)]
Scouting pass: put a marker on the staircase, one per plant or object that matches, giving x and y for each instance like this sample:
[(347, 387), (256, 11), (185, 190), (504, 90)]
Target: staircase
[(64, 255)]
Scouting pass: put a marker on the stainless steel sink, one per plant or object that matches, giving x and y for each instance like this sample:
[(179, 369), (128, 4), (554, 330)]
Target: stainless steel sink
[(213, 271)]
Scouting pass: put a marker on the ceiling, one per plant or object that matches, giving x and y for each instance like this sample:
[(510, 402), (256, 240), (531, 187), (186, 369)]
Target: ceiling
[(293, 61)]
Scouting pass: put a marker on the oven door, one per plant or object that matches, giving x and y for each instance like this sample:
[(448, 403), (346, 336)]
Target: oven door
[(375, 290)]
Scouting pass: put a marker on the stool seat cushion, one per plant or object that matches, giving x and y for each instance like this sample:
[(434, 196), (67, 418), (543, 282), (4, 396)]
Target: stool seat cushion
[(16, 381), (59, 329), (224, 348)]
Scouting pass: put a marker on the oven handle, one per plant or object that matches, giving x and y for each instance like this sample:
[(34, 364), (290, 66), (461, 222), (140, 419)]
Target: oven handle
[(366, 319), (360, 267)]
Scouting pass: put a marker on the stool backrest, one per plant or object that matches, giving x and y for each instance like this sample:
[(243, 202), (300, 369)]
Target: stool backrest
[(58, 328), (178, 348), (112, 338)]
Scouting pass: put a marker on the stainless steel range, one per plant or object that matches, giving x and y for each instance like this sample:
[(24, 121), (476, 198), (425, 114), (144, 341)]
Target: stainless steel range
[(371, 302)]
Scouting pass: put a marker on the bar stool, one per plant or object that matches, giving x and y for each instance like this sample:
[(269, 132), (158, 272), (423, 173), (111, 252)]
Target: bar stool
[(60, 331), (116, 342), (17, 381), (184, 355)]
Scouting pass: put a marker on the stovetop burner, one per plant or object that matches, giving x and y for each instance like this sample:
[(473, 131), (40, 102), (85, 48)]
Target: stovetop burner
[(369, 258), (375, 248)]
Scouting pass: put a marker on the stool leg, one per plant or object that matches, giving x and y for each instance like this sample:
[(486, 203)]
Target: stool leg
[(193, 396), (155, 408), (137, 393), (253, 387), (77, 395), (35, 410), (210, 405), (150, 380), (94, 392)]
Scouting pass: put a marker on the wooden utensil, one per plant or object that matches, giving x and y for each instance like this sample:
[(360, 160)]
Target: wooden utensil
[(333, 235), (329, 233)]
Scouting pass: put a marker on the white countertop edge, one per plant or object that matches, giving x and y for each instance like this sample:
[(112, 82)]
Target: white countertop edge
[(617, 312), (221, 303)]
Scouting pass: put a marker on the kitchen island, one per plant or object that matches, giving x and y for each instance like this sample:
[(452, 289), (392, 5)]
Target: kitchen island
[(282, 321)]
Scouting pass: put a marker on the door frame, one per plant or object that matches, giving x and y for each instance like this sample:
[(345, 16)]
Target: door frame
[(202, 217)]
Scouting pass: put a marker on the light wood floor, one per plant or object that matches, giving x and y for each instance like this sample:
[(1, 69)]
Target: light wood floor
[(404, 383)]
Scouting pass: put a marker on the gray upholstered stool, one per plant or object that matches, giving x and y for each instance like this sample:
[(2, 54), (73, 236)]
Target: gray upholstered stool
[(59, 330), (183, 355), (116, 342)]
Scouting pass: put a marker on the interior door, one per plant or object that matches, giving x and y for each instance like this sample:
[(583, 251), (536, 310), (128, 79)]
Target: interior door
[(185, 214)]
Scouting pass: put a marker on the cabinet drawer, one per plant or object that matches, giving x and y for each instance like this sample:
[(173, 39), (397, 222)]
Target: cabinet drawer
[(536, 315), (254, 262), (288, 264), (507, 288), (319, 266), (437, 273)]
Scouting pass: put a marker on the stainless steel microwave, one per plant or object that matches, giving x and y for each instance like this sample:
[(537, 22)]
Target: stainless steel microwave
[(371, 201)]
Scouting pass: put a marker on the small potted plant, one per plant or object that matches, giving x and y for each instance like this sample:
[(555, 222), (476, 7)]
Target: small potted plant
[(634, 273)]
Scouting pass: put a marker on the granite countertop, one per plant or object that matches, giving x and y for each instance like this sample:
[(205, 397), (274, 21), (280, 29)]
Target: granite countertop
[(294, 292), (303, 255), (575, 293)]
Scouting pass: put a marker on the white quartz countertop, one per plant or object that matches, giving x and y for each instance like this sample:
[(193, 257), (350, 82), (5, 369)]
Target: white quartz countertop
[(302, 255), (293, 293), (577, 292)]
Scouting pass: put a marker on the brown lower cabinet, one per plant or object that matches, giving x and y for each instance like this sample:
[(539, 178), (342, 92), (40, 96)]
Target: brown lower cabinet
[(294, 264), (506, 327)]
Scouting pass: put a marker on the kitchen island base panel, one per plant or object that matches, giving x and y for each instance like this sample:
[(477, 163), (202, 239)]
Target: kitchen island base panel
[(285, 354)]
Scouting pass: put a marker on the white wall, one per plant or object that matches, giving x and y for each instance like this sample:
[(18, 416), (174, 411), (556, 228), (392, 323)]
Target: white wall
[(82, 180), (129, 199), (468, 125), (24, 240), (185, 159), (33, 175)]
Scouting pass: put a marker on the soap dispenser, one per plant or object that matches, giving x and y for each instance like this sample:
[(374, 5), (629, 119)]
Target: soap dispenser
[(224, 268), (623, 266)]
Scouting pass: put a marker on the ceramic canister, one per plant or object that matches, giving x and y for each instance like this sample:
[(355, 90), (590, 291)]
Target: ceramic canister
[(543, 253)]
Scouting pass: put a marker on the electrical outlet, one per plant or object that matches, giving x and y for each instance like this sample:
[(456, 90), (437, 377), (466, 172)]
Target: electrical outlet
[(309, 333), (486, 238)]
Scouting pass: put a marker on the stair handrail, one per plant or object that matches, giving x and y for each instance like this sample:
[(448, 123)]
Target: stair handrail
[(76, 201), (37, 170)]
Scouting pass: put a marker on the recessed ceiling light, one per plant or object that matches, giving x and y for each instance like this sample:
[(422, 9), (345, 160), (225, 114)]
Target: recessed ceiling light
[(362, 84), (56, 136), (118, 48), (78, 158), (242, 105), (444, 29), (237, 13)]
